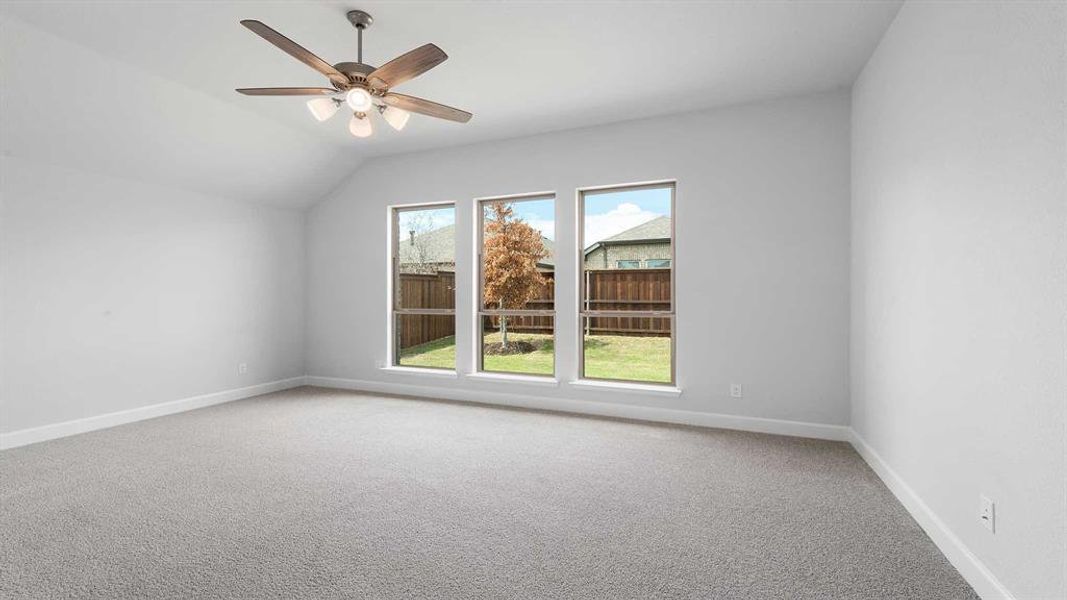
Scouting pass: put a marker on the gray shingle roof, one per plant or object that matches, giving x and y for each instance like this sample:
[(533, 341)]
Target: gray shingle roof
[(550, 247), (656, 229), (437, 246)]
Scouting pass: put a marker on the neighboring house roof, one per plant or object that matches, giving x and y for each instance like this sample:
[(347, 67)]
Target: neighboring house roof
[(658, 229), (439, 247), (433, 247), (550, 247)]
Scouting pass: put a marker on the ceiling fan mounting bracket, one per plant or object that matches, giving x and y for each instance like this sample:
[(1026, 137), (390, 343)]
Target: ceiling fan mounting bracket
[(359, 19)]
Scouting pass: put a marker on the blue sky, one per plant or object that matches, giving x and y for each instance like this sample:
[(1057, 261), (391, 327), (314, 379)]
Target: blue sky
[(606, 214), (611, 213), (539, 214)]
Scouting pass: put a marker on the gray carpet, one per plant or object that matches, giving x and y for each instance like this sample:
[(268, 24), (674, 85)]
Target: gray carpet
[(327, 494)]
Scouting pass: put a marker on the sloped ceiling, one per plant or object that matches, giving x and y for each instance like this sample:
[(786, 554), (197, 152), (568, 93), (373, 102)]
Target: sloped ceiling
[(145, 90)]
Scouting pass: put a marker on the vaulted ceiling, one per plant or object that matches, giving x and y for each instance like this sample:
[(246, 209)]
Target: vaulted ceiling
[(145, 90)]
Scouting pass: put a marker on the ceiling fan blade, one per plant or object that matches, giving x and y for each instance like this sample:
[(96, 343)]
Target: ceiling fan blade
[(289, 91), (425, 107), (407, 66), (296, 51)]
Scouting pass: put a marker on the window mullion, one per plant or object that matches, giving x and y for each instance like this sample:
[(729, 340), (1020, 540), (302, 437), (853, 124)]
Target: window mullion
[(517, 313), (425, 311)]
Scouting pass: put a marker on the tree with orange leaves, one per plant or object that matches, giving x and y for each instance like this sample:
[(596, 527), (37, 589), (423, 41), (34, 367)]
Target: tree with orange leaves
[(512, 250)]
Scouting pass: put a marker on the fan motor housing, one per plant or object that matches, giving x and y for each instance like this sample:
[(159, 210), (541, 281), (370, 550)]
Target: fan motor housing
[(355, 71)]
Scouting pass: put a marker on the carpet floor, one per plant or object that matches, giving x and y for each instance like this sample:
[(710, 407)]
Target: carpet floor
[(314, 493)]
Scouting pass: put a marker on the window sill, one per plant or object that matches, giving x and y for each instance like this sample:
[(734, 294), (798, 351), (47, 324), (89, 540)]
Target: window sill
[(513, 378), (424, 372), (632, 388)]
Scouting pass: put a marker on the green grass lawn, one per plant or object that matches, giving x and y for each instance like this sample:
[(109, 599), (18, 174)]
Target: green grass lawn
[(628, 357), (606, 357)]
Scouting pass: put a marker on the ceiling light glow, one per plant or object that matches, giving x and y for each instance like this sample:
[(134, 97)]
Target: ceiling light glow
[(359, 99)]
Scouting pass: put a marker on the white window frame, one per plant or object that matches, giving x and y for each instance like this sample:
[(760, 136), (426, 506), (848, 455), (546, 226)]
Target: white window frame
[(480, 312), (584, 312), (395, 311)]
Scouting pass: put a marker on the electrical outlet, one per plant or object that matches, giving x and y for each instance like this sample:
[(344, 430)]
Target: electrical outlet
[(987, 513), (736, 391), (242, 368)]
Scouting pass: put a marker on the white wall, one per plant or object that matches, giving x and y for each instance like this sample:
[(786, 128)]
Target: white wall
[(762, 251), (959, 295), (118, 295)]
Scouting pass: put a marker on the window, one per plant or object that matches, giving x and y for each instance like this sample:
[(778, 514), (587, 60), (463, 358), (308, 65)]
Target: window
[(627, 313), (516, 277), (424, 286)]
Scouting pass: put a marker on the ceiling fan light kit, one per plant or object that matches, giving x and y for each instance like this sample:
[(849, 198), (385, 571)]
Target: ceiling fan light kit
[(360, 125), (323, 108), (359, 99), (395, 117), (362, 87)]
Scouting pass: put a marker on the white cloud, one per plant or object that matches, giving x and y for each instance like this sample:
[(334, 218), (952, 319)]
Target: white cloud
[(547, 227), (625, 215)]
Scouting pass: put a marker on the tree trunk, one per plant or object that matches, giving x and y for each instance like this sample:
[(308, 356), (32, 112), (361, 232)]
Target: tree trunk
[(503, 328)]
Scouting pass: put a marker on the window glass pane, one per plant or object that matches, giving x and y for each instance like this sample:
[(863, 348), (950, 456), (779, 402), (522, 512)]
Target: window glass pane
[(427, 290), (630, 231), (426, 258), (628, 289), (529, 347), (426, 341), (518, 261), (627, 348)]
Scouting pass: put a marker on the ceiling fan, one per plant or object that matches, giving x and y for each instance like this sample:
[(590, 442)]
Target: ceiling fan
[(363, 88)]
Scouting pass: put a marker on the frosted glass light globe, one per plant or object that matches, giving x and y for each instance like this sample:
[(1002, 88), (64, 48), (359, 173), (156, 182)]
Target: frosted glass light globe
[(396, 117), (360, 126), (322, 108), (359, 99)]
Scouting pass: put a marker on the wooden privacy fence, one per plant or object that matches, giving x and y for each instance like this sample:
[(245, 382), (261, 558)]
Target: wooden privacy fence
[(526, 324), (419, 329), (610, 289), (628, 290), (420, 290)]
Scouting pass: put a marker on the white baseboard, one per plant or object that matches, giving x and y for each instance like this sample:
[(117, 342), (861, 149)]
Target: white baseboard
[(973, 570), (58, 430), (591, 407)]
